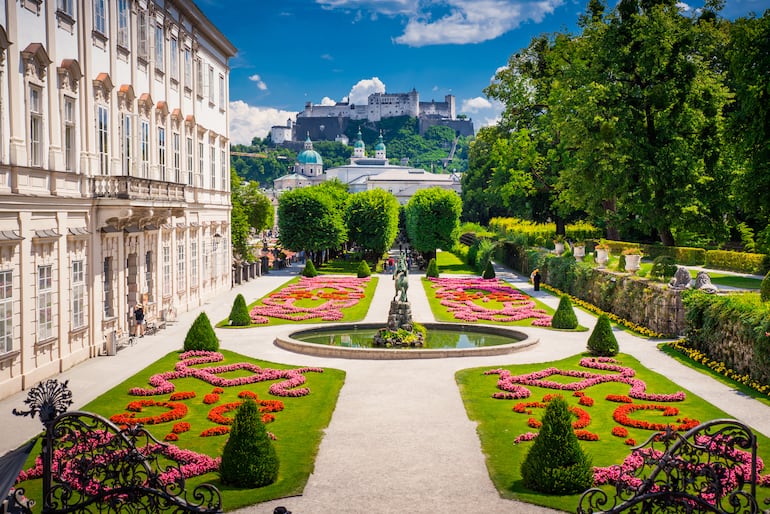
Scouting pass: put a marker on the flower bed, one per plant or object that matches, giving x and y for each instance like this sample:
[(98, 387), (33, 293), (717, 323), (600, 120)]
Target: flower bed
[(333, 293), (469, 299), (289, 387)]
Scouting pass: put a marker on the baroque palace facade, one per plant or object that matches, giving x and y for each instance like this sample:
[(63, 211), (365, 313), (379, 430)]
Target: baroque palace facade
[(114, 174)]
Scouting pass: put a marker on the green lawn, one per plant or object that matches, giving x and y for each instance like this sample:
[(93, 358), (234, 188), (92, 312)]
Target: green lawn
[(350, 314), (448, 262), (298, 428), (498, 425)]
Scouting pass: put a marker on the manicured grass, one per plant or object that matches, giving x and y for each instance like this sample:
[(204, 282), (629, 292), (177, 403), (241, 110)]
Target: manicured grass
[(450, 263), (723, 279), (498, 425), (442, 314), (347, 266), (298, 428), (351, 314)]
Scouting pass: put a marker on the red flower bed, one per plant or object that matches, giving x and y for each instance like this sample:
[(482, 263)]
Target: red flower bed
[(210, 432), (619, 398), (182, 395), (176, 411), (180, 427), (621, 415), (585, 435), (619, 431), (210, 398), (586, 401), (171, 437)]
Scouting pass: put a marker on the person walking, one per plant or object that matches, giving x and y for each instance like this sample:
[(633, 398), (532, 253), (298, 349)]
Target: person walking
[(139, 318), (536, 277)]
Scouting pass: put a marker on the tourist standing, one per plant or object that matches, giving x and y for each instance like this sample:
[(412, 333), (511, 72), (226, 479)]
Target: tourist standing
[(536, 277), (139, 318)]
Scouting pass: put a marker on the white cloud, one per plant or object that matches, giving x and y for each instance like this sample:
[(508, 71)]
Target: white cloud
[(452, 21), (359, 94), (328, 101), (260, 83), (247, 121), (475, 104)]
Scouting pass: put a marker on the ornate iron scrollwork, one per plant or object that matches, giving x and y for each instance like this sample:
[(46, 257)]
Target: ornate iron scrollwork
[(710, 468), (92, 465)]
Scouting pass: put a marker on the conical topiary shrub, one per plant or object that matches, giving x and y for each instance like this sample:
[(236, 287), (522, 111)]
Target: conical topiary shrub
[(201, 335), (363, 269), (249, 458), (564, 317), (309, 270), (556, 463), (239, 314), (602, 341), (489, 271), (432, 270), (764, 288)]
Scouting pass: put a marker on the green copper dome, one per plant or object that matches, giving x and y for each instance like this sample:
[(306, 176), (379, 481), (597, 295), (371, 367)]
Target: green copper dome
[(380, 144), (309, 157), (359, 142)]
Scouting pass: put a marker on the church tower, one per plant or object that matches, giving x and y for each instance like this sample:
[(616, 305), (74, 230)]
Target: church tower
[(359, 148), (379, 149)]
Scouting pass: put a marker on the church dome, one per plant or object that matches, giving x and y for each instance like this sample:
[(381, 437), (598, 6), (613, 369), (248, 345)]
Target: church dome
[(359, 142), (309, 157), (380, 144)]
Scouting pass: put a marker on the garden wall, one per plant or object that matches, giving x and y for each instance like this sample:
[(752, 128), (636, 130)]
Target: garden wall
[(731, 329), (643, 302)]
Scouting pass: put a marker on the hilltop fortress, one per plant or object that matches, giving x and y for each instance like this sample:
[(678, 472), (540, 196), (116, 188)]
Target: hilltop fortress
[(330, 122)]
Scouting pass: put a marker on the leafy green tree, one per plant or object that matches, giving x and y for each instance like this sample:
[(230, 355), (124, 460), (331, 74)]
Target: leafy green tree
[(310, 219), (201, 335), (239, 314), (748, 52), (556, 463), (372, 220), (602, 341), (249, 459), (565, 317), (258, 207), (432, 218), (639, 103)]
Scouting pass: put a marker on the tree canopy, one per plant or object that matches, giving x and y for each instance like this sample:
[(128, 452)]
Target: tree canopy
[(432, 219)]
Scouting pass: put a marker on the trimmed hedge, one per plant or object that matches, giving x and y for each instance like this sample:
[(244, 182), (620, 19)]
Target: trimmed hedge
[(564, 317), (363, 270), (742, 262), (683, 255), (556, 463), (432, 270), (201, 335), (239, 314), (602, 341), (249, 458), (309, 270)]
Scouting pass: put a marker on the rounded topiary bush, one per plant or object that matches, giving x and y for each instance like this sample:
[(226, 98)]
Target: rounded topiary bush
[(663, 267), (565, 316), (556, 463), (764, 288), (201, 335), (602, 341), (363, 269), (489, 270), (432, 270), (239, 314), (249, 458), (309, 270)]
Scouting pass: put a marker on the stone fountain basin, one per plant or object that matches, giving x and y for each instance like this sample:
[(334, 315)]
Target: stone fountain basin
[(290, 343)]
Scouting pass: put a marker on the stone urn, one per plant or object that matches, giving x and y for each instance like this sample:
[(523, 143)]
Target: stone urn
[(633, 262), (558, 247), (579, 251), (602, 256)]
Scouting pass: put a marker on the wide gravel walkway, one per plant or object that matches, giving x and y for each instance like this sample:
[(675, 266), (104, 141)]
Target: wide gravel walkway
[(399, 440)]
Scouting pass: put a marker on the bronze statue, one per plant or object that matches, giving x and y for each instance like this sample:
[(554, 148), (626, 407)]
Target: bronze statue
[(401, 276)]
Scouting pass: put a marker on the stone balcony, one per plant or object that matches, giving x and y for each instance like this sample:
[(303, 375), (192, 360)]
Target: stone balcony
[(133, 188)]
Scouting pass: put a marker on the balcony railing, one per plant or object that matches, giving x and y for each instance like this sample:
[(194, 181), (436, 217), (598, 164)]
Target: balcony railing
[(133, 188)]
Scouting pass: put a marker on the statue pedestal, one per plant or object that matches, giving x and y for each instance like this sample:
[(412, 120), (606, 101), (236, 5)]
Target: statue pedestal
[(399, 318)]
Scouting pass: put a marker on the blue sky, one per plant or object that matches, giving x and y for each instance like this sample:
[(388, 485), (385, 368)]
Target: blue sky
[(320, 51)]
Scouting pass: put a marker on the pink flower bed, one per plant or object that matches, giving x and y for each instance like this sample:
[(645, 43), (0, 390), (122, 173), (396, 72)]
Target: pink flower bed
[(460, 296), (513, 386), (339, 293), (292, 378)]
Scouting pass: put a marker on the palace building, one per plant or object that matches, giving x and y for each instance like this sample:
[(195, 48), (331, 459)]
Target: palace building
[(114, 174)]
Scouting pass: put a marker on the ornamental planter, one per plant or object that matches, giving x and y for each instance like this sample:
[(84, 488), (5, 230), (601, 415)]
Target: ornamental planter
[(602, 256), (579, 252), (633, 263), (559, 248)]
